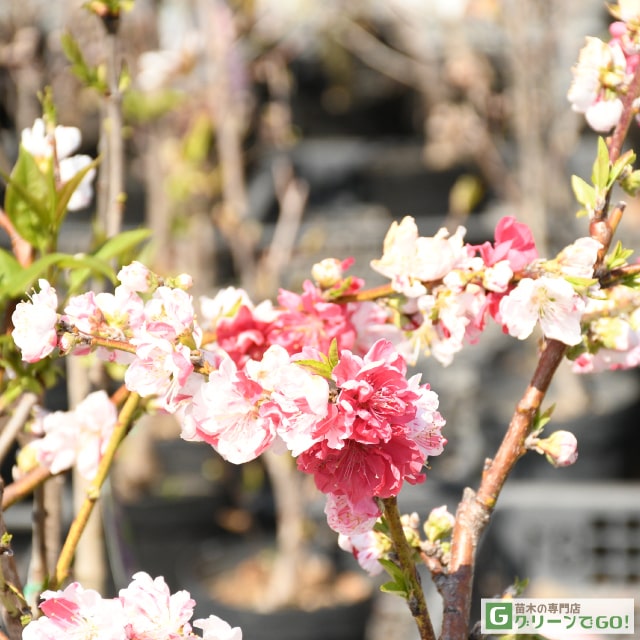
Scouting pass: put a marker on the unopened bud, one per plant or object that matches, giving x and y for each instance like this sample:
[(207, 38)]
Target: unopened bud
[(560, 448), (439, 524), (327, 272)]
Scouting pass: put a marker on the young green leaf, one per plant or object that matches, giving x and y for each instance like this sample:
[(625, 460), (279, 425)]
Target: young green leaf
[(584, 192), (323, 368), (29, 199), (24, 280), (625, 160), (600, 172)]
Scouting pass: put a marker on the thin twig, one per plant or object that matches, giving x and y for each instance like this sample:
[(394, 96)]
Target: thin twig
[(125, 418)]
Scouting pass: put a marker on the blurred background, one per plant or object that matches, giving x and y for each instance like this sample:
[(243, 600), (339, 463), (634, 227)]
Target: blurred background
[(263, 135)]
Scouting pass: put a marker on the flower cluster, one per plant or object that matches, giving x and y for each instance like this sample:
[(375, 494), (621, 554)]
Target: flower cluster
[(322, 374), (450, 288), (143, 610), (605, 69), (258, 377)]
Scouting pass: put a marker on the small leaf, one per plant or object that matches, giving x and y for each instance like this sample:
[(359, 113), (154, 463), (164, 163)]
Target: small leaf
[(618, 257), (600, 172), (625, 160), (29, 199), (23, 281), (584, 192), (395, 589), (319, 368), (541, 419), (88, 75), (334, 356)]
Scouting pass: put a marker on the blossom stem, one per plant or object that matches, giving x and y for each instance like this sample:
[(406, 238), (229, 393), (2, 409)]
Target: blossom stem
[(125, 418), (383, 291), (404, 553)]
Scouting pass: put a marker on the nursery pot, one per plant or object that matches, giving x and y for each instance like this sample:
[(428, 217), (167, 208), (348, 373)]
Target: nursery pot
[(344, 619)]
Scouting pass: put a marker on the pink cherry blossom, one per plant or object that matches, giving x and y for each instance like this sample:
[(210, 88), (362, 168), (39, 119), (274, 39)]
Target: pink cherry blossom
[(161, 368), (97, 417), (242, 336), (226, 412), (136, 277), (215, 628), (577, 259), (308, 319), (169, 314), (153, 612), (409, 260), (550, 301), (57, 449), (376, 409), (78, 613), (599, 78), (367, 548), (298, 400), (513, 242), (77, 437), (348, 518), (35, 324)]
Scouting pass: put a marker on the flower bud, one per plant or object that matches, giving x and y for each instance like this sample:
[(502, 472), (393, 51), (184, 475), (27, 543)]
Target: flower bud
[(327, 272), (560, 448), (439, 524)]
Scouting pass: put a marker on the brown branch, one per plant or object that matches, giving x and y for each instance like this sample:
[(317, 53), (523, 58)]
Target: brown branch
[(475, 510), (20, 489)]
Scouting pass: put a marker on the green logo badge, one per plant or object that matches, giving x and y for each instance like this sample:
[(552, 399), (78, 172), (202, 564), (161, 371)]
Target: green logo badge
[(498, 616)]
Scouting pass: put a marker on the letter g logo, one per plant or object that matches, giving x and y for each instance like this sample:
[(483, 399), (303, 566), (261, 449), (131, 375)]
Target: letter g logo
[(498, 616)]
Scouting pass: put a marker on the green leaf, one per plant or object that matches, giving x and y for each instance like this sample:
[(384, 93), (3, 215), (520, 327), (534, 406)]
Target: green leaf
[(624, 161), (395, 589), (584, 192), (334, 356), (22, 282), (29, 199), (9, 267), (66, 191), (323, 369), (600, 172), (541, 419), (88, 75), (618, 257), (580, 283)]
